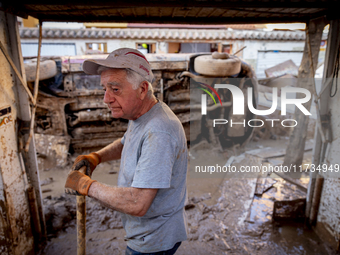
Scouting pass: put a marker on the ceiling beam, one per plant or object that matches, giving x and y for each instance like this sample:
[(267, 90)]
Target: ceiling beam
[(15, 9), (179, 20), (192, 3)]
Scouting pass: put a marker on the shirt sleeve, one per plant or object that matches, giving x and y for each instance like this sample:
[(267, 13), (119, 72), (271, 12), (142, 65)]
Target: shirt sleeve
[(156, 159), (123, 139)]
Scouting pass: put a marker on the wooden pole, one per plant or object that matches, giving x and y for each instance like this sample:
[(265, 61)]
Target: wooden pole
[(36, 90), (295, 148), (81, 221), (316, 199)]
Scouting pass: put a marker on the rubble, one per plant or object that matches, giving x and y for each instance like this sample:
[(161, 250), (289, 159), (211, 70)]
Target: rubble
[(216, 229), (46, 181), (60, 213)]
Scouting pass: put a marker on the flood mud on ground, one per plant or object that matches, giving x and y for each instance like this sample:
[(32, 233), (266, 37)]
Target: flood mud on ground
[(225, 215)]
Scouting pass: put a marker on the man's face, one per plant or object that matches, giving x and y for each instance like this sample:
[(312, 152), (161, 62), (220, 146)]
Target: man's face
[(123, 101)]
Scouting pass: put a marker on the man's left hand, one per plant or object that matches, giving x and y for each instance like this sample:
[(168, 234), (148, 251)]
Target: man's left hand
[(90, 161)]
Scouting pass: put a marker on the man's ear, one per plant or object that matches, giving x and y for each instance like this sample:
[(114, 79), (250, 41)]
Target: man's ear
[(144, 89)]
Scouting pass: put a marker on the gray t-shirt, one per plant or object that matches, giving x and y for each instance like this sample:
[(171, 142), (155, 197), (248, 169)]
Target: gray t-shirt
[(155, 156)]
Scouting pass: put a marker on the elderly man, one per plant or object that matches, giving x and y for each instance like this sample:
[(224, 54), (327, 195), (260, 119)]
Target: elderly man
[(151, 189)]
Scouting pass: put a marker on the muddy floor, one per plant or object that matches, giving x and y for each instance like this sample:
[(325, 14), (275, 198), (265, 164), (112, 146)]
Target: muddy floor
[(225, 216)]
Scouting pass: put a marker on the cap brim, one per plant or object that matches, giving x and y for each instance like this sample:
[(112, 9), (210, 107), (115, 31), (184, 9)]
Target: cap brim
[(90, 66)]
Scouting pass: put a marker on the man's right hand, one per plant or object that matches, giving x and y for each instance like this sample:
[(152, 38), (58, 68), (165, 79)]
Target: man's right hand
[(90, 161), (78, 183)]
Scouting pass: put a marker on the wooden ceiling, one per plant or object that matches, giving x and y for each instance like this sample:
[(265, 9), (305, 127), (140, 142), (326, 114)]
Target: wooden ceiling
[(174, 11)]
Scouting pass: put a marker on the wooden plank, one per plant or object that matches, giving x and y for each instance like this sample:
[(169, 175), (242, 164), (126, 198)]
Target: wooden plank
[(250, 161), (267, 152), (174, 66), (259, 185), (263, 184), (286, 67), (290, 180), (276, 161)]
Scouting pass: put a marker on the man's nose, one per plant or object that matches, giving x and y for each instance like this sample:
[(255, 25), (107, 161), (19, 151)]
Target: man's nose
[(108, 98)]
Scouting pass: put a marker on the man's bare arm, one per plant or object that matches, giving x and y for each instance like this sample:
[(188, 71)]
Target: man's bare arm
[(112, 151), (129, 200)]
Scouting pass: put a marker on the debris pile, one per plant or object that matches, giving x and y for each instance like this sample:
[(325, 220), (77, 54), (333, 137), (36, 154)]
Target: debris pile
[(238, 221), (279, 76)]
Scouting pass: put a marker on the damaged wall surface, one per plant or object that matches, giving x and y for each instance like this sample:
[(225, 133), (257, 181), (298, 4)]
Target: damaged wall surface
[(328, 220), (330, 203), (15, 227)]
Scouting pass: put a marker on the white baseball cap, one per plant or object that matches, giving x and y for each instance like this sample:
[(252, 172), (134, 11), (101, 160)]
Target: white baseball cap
[(122, 58)]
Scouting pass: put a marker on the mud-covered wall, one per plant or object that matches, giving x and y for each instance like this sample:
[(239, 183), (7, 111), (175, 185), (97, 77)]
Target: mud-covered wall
[(328, 214), (330, 200), (15, 225)]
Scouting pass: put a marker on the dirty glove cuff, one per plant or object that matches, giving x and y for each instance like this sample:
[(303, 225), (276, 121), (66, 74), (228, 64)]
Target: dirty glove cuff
[(90, 161), (79, 182)]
